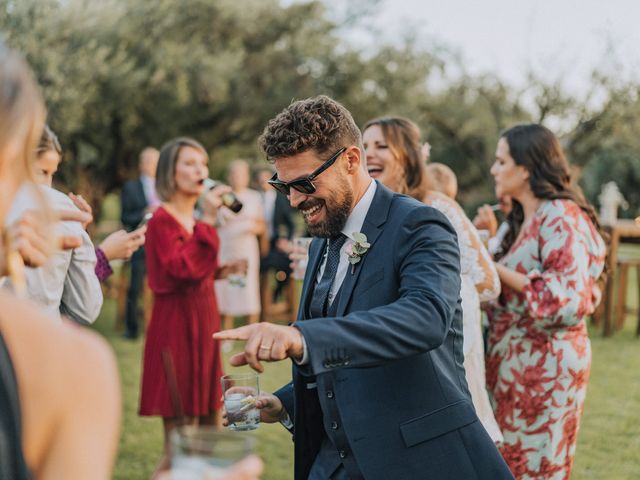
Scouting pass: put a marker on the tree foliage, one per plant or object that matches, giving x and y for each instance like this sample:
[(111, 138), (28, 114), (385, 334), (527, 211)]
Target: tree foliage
[(122, 74)]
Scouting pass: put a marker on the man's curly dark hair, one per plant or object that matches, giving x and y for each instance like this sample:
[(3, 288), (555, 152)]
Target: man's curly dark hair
[(319, 123)]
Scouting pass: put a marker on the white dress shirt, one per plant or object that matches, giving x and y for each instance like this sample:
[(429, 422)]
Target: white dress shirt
[(149, 189), (353, 225), (67, 284)]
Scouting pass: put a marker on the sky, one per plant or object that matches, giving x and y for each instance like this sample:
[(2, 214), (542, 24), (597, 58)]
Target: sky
[(557, 39)]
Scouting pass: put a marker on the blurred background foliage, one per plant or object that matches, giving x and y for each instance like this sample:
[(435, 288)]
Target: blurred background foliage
[(122, 74)]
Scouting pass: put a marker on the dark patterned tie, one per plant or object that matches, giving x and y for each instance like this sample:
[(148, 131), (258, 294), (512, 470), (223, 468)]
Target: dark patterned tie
[(318, 307)]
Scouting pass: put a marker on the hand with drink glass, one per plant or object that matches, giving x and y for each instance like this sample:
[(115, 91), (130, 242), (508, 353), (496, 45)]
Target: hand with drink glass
[(270, 408), (284, 245), (205, 453), (299, 256), (240, 393), (235, 271), (249, 468), (212, 200), (485, 220)]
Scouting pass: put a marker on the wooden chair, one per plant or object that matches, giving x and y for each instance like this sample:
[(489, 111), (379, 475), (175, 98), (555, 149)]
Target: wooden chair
[(624, 264)]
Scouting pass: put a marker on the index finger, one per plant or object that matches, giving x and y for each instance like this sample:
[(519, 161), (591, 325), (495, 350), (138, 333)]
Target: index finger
[(240, 333), (80, 202), (69, 242), (139, 231), (73, 216)]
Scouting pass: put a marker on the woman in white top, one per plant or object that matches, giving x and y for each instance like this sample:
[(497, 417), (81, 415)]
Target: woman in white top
[(394, 157), (67, 284), (238, 240)]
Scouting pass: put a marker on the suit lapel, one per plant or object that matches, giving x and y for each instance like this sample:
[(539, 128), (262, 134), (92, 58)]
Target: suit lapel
[(372, 227), (316, 251)]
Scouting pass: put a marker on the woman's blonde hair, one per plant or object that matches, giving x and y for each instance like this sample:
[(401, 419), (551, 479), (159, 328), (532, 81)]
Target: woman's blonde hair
[(22, 115), (166, 172)]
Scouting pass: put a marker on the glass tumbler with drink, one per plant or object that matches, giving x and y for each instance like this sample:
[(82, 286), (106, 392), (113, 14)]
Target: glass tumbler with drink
[(300, 256), (205, 453), (240, 394), (239, 276)]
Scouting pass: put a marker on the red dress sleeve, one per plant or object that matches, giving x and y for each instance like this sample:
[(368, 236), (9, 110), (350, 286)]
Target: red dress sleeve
[(181, 255)]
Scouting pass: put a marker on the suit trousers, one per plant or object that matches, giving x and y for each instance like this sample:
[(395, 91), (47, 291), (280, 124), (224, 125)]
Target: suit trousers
[(136, 283)]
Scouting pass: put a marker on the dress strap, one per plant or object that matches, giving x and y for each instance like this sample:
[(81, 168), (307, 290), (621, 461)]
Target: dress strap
[(12, 462)]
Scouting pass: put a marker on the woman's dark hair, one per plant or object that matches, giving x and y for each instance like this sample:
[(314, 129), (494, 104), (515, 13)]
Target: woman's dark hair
[(48, 142), (166, 173), (403, 138), (538, 150)]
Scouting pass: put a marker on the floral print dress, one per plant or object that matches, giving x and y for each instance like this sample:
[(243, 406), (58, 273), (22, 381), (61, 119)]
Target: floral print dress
[(539, 354)]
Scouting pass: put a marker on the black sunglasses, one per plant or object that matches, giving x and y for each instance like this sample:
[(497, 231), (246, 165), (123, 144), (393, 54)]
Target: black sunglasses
[(304, 185)]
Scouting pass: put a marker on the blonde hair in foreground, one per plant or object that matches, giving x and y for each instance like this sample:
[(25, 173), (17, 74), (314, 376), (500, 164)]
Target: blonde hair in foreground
[(22, 116)]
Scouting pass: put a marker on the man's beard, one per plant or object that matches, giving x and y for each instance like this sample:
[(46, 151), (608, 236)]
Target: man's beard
[(337, 213)]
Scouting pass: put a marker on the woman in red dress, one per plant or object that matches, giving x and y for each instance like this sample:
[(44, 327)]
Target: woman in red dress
[(181, 256)]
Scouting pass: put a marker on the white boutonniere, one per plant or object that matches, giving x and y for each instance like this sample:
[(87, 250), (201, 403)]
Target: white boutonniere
[(356, 250)]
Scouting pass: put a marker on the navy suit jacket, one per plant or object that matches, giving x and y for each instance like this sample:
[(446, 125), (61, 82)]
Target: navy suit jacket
[(133, 204), (391, 359)]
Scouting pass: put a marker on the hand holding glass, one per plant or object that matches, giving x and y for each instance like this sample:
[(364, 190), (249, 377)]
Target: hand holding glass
[(204, 453), (299, 256), (240, 394), (238, 272)]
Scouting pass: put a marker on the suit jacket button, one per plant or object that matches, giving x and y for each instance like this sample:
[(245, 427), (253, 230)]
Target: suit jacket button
[(334, 425), (342, 454), (330, 394)]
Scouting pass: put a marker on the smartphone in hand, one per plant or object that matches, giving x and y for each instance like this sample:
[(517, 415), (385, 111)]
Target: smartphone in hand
[(145, 220)]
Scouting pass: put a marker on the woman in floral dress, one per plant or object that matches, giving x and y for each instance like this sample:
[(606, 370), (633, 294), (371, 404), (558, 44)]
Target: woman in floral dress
[(539, 353), (394, 157)]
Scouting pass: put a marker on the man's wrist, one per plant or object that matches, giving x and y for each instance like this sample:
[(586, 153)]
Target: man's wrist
[(299, 346), (303, 357), (282, 415), (285, 419)]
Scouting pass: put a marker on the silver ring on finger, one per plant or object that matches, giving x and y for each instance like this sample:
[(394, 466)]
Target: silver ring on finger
[(264, 352)]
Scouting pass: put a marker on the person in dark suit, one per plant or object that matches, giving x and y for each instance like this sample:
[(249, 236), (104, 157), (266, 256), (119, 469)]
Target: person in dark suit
[(280, 229), (379, 387), (138, 198)]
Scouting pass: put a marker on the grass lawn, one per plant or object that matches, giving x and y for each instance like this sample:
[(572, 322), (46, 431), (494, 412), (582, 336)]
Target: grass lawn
[(141, 438), (608, 445)]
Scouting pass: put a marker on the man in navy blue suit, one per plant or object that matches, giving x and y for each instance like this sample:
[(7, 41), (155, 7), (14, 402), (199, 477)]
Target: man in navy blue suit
[(378, 389), (138, 198)]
